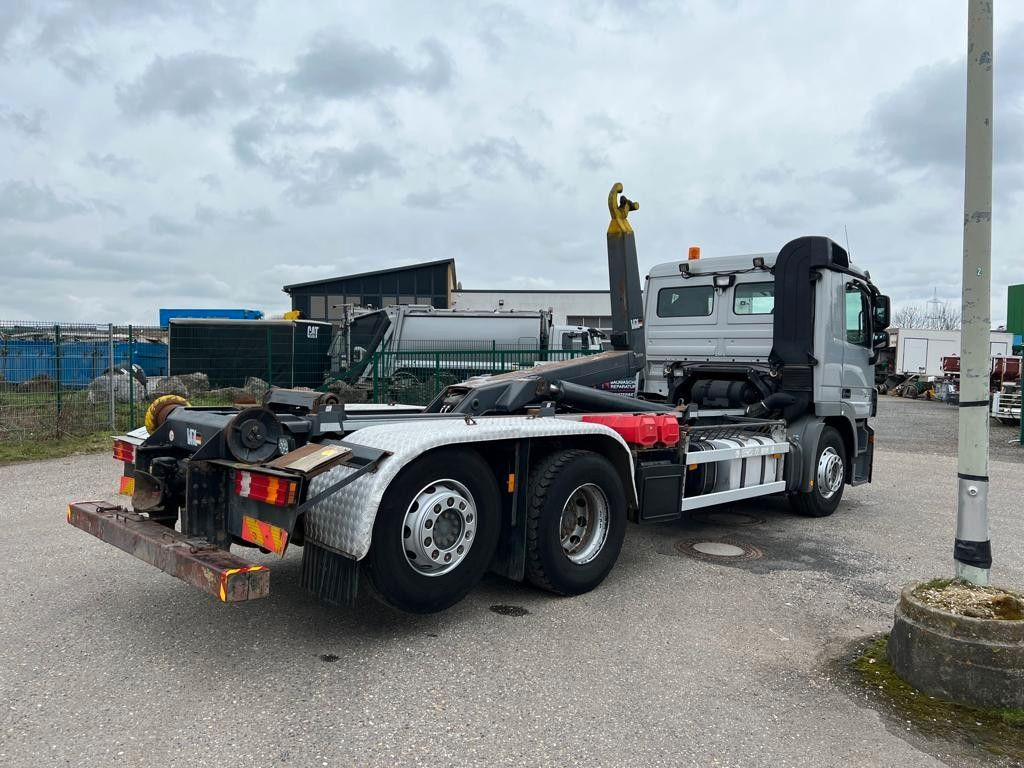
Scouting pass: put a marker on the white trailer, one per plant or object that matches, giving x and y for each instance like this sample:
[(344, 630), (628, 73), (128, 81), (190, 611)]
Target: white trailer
[(920, 351)]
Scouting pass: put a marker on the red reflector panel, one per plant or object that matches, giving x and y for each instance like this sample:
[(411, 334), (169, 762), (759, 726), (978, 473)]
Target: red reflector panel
[(124, 451), (644, 429), (668, 430), (264, 534), (269, 489)]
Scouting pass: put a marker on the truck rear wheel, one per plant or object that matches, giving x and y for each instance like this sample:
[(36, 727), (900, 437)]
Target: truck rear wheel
[(576, 522), (829, 478), (436, 531)]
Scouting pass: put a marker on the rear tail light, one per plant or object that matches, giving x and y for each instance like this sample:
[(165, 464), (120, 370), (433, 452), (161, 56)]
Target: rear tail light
[(124, 451), (270, 489)]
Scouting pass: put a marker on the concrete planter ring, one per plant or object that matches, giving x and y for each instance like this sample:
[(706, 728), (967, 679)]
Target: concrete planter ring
[(963, 659)]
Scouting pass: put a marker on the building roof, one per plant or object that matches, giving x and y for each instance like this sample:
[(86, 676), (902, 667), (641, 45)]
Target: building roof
[(529, 290), (402, 268)]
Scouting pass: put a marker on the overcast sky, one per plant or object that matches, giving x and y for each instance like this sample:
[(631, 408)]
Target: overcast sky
[(162, 153)]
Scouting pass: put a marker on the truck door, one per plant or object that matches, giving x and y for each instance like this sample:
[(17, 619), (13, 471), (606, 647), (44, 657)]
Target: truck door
[(858, 377)]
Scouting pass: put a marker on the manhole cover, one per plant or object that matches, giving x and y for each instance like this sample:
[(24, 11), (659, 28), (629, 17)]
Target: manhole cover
[(718, 550), (729, 518)]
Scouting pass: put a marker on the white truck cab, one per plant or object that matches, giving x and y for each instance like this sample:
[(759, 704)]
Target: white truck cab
[(721, 312), (725, 335)]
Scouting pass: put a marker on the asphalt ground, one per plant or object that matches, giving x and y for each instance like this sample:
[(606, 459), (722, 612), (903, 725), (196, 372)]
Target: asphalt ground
[(674, 661)]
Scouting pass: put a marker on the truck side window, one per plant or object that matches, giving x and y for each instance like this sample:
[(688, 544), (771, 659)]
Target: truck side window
[(571, 341), (689, 301), (857, 331), (753, 299)]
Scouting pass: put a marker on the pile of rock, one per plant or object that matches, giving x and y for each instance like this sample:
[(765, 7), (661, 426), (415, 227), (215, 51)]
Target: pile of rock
[(188, 385)]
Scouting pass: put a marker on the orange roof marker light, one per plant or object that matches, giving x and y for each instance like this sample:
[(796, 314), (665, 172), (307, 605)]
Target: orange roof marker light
[(693, 253)]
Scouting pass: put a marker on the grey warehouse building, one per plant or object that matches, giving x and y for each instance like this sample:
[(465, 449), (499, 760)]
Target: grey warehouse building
[(434, 283), (430, 282)]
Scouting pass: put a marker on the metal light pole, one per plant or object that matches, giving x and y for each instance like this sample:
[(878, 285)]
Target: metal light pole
[(973, 551)]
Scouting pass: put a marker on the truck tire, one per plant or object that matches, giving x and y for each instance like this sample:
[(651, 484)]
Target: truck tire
[(576, 522), (435, 532), (829, 478)]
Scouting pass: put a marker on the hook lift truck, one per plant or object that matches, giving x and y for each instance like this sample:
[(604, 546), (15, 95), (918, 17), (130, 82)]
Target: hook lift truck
[(759, 380)]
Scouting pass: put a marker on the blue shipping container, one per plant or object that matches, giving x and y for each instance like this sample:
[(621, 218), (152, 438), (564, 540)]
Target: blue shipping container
[(79, 362), (221, 314)]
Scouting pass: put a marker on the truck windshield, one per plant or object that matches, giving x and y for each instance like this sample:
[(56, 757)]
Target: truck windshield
[(753, 299), (690, 301)]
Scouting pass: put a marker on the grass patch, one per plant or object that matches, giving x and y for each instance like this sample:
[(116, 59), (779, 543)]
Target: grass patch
[(34, 450), (933, 584), (997, 731)]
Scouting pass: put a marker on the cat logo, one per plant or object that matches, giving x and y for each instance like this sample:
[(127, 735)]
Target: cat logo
[(311, 331)]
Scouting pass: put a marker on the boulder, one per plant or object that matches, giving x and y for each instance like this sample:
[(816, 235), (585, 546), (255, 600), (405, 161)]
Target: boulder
[(231, 395), (347, 393), (168, 385), (122, 385), (196, 383), (256, 386)]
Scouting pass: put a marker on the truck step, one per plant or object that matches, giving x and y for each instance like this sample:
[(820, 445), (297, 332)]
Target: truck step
[(194, 561)]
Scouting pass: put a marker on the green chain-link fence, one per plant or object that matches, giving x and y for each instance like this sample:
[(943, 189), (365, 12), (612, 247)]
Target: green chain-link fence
[(71, 379), (62, 379), (66, 379), (417, 376)]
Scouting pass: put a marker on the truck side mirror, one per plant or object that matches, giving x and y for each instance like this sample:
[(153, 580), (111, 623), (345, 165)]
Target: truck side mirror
[(880, 319)]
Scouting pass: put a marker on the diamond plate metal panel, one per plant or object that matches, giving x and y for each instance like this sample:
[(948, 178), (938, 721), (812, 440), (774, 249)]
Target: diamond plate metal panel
[(344, 521)]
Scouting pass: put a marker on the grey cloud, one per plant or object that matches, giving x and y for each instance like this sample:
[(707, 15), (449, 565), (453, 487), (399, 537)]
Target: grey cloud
[(12, 13), (27, 124), (252, 218), (776, 215), (324, 174), (28, 201), (77, 66), (490, 157), (331, 172), (41, 257), (498, 22), (62, 24), (434, 199), (113, 165), (772, 174), (190, 85), (343, 68), (246, 138), (921, 123), (866, 187), (252, 137), (594, 159), (602, 131), (169, 227), (601, 123), (211, 181)]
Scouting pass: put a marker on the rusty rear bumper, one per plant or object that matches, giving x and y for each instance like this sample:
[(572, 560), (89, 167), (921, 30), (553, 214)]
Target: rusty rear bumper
[(194, 561)]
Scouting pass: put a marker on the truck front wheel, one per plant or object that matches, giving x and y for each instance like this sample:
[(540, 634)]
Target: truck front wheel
[(829, 476), (576, 522), (436, 531)]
